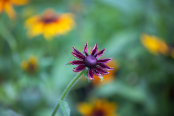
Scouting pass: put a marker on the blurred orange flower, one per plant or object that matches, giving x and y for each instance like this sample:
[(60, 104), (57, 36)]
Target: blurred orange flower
[(49, 24), (100, 107), (7, 5), (109, 77), (30, 65), (154, 44)]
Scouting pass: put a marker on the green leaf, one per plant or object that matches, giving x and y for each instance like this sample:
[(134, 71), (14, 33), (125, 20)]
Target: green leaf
[(64, 108)]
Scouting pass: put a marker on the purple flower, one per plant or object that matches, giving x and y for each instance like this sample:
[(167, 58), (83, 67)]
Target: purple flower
[(95, 66)]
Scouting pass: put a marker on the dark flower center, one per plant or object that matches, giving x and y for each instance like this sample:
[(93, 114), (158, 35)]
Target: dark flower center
[(49, 19), (99, 113), (90, 61), (31, 68)]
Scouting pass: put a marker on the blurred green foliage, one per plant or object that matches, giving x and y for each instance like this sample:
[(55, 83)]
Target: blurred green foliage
[(144, 84)]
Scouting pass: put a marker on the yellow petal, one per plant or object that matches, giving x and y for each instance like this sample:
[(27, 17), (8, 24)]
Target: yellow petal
[(19, 2), (163, 48), (60, 29), (65, 23), (85, 109), (33, 60), (150, 43), (49, 30), (113, 114), (36, 29), (110, 108), (31, 21), (9, 10), (98, 104)]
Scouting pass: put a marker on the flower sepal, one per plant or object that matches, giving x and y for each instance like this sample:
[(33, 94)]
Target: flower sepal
[(86, 75), (68, 63), (101, 78)]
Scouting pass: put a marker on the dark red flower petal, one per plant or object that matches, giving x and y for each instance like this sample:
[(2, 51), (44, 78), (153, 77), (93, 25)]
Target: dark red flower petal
[(104, 60), (90, 74), (79, 68), (86, 49), (104, 66), (76, 51), (94, 50), (79, 56), (76, 62), (100, 53), (97, 73), (101, 71)]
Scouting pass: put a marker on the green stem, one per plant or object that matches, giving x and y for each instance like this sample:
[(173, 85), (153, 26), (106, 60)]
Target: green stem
[(67, 90)]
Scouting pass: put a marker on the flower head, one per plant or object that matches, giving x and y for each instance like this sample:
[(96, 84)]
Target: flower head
[(95, 66), (7, 5), (30, 65), (49, 24), (100, 107), (154, 44)]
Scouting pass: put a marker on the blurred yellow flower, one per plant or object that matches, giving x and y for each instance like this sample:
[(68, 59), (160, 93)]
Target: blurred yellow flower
[(154, 44), (7, 5), (30, 65), (109, 77), (100, 107), (49, 24)]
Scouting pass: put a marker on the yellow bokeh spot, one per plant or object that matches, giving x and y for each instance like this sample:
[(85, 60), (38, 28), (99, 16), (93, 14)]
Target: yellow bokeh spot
[(30, 65), (24, 65), (154, 44)]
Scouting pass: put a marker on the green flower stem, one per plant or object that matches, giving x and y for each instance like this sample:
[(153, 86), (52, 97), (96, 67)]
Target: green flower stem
[(67, 90)]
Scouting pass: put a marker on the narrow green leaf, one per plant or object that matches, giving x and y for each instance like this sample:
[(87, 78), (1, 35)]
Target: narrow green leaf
[(64, 108)]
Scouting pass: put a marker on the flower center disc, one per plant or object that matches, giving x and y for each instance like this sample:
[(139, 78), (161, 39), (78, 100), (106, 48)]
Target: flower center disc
[(90, 61)]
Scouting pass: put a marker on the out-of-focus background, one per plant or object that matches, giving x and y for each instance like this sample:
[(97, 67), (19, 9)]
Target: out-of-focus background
[(137, 34)]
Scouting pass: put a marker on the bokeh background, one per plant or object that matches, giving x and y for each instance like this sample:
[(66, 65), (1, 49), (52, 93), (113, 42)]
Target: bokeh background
[(141, 84)]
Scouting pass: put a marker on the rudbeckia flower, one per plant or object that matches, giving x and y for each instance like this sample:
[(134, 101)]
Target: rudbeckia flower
[(109, 77), (49, 24), (7, 5), (154, 44), (94, 65), (100, 107), (30, 65)]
